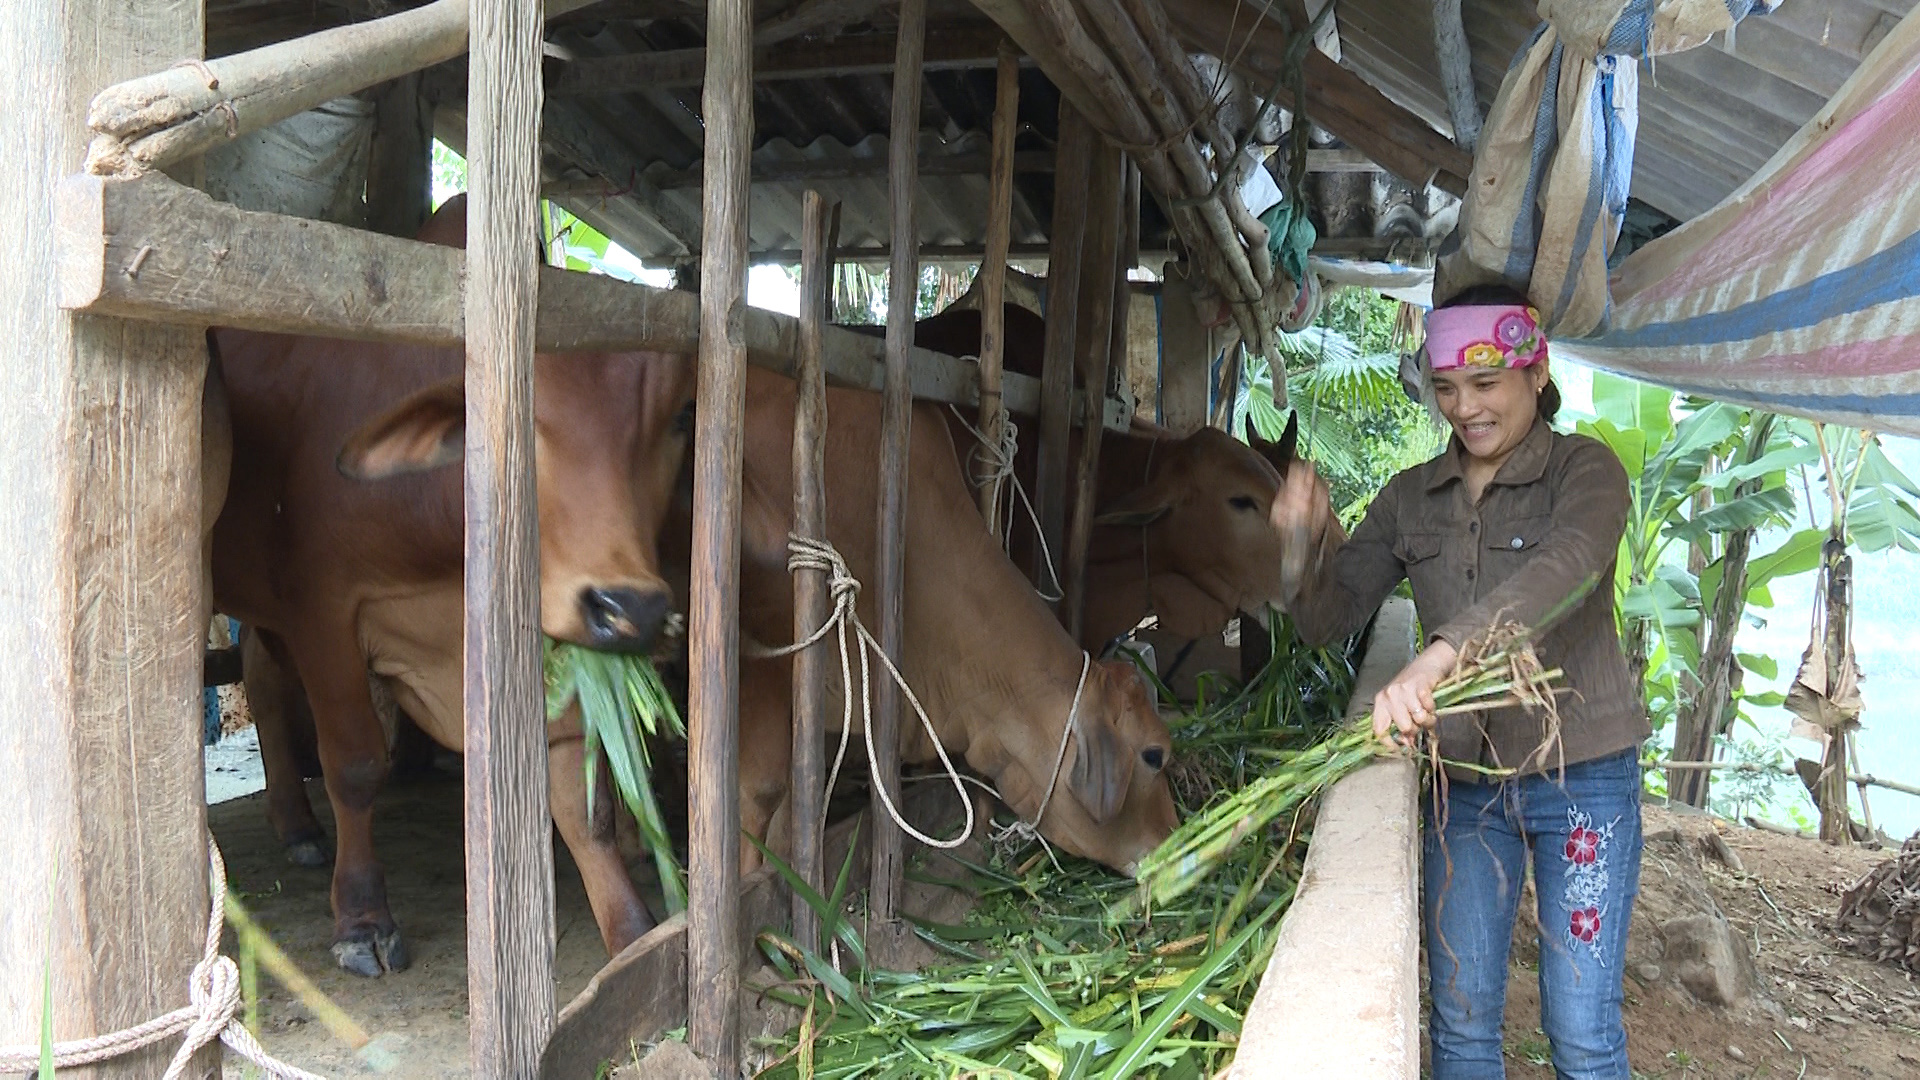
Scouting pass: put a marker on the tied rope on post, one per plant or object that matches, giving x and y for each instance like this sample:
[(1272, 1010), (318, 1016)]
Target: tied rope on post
[(999, 471), (214, 993)]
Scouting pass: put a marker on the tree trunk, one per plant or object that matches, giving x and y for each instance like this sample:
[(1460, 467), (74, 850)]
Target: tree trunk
[(1836, 818)]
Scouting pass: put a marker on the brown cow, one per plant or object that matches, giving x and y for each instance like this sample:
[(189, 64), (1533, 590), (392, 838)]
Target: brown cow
[(985, 656), (341, 541), (1183, 531)]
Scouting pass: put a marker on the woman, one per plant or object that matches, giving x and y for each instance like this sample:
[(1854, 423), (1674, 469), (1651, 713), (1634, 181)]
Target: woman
[(1508, 523)]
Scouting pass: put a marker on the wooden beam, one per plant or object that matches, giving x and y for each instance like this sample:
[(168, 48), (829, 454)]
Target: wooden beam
[(1341, 161), (993, 272), (949, 48), (194, 261), (930, 253), (1074, 150), (713, 750), (400, 161), (790, 172), (896, 422), (1456, 72), (1184, 358), (510, 932), (105, 874), (1100, 257), (811, 17), (808, 803)]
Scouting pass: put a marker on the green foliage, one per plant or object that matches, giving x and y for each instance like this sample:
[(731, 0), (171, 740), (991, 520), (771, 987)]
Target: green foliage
[(449, 173)]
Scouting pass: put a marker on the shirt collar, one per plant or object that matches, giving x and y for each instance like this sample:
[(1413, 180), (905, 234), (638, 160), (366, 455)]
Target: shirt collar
[(1527, 463)]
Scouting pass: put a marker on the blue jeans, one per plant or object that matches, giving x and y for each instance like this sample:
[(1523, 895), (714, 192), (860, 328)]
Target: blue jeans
[(1582, 832)]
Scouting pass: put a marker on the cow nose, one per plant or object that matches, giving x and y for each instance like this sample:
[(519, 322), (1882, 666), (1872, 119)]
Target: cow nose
[(623, 620)]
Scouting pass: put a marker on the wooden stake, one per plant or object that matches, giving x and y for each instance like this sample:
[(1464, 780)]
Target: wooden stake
[(105, 868), (993, 268), (713, 943), (1063, 285), (895, 433), (1101, 253), (810, 599), (510, 934)]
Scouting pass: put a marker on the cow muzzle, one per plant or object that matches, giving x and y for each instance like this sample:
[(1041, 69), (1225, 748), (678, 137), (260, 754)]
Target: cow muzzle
[(623, 620)]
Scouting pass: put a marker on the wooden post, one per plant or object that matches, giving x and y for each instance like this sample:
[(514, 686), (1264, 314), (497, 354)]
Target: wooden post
[(903, 288), (105, 873), (713, 752), (810, 599), (1183, 355), (993, 268), (1456, 72), (510, 932), (1063, 285), (1101, 253), (400, 164)]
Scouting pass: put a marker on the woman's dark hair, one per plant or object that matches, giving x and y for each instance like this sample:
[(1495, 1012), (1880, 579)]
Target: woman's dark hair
[(1548, 403)]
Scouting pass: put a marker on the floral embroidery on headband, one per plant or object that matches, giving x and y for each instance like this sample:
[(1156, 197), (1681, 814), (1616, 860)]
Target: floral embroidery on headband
[(1483, 354)]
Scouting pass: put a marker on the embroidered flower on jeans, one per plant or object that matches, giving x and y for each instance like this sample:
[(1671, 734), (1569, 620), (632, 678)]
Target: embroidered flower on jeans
[(1583, 846), (1586, 924)]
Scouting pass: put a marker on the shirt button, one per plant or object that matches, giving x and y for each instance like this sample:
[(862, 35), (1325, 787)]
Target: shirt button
[(1469, 575), (1517, 543), (1473, 526)]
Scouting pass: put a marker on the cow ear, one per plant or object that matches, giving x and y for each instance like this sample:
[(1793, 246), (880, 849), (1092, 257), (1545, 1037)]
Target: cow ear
[(1138, 508), (1101, 769), (423, 432)]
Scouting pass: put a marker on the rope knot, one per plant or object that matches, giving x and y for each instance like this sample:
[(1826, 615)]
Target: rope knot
[(214, 995)]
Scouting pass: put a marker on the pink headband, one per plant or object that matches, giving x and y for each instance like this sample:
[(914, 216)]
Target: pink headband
[(1484, 336)]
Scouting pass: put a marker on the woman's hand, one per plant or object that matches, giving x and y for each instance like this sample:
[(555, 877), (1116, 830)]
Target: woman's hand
[(1405, 705), (1302, 512)]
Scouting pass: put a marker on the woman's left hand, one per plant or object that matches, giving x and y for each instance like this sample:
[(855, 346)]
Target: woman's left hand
[(1405, 705)]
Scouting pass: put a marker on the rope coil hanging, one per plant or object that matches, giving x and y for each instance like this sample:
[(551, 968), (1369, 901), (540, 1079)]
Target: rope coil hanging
[(998, 462), (214, 996)]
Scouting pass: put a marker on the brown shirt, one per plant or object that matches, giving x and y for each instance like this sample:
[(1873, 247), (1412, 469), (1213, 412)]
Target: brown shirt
[(1550, 520)]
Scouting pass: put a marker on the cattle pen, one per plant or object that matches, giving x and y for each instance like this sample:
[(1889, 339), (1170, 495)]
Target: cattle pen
[(1099, 137)]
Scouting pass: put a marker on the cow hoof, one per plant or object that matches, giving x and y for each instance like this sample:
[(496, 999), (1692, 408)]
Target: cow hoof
[(307, 853), (370, 958)]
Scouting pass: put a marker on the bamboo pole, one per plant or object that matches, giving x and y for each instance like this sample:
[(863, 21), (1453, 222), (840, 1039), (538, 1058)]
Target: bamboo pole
[(810, 600), (1067, 233), (993, 269), (713, 940), (1456, 72), (889, 843), (1100, 256), (510, 931)]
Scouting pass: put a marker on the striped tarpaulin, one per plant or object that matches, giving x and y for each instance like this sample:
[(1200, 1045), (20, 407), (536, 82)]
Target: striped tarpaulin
[(1800, 292)]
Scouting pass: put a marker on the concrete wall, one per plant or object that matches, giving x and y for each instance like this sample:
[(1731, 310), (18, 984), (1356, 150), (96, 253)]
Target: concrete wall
[(1341, 996)]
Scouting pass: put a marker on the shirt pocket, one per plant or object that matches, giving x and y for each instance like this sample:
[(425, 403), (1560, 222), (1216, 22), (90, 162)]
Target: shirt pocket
[(1420, 552), (1513, 543)]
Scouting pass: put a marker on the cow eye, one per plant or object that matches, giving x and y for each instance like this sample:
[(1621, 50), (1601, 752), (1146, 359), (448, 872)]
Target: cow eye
[(1155, 757), (683, 420), (1243, 502)]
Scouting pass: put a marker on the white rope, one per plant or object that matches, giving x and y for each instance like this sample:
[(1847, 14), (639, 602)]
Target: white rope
[(215, 995), (844, 588), (999, 461)]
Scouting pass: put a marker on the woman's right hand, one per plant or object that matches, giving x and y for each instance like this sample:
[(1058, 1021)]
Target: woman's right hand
[(1302, 512)]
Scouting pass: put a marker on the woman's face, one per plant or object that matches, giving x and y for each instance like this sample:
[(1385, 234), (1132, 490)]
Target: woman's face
[(1490, 409)]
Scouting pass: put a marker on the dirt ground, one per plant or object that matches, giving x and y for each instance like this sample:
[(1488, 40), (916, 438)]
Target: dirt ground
[(1816, 1011)]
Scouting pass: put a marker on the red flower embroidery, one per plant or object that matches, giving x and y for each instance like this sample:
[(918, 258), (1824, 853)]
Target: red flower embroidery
[(1583, 846), (1586, 923)]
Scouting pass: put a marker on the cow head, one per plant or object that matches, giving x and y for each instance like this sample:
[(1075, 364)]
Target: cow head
[(610, 432), (1205, 515), (1111, 802)]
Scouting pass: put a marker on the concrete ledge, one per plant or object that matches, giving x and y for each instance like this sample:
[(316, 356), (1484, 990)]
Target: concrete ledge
[(1341, 996)]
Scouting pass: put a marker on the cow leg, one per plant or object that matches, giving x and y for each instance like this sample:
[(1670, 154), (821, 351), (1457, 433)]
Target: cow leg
[(273, 697), (766, 754), (353, 756), (617, 908)]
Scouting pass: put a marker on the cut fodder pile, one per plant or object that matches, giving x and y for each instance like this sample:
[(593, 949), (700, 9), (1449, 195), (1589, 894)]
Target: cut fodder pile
[(1067, 970), (1880, 913)]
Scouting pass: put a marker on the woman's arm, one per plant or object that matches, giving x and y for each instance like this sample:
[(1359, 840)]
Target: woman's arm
[(1336, 583)]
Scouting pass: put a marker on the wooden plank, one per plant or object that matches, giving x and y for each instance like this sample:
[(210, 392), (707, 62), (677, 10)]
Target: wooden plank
[(949, 48), (811, 602), (993, 270), (399, 163), (509, 843), (1456, 72), (152, 249), (896, 423), (1074, 149), (105, 873), (713, 753), (1183, 356), (1100, 255), (793, 172)]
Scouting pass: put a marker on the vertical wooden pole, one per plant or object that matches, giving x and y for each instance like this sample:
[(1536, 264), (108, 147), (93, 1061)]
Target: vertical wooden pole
[(104, 877), (400, 162), (903, 288), (510, 931), (1068, 230), (1183, 355), (993, 267), (713, 940), (1100, 255), (810, 599)]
